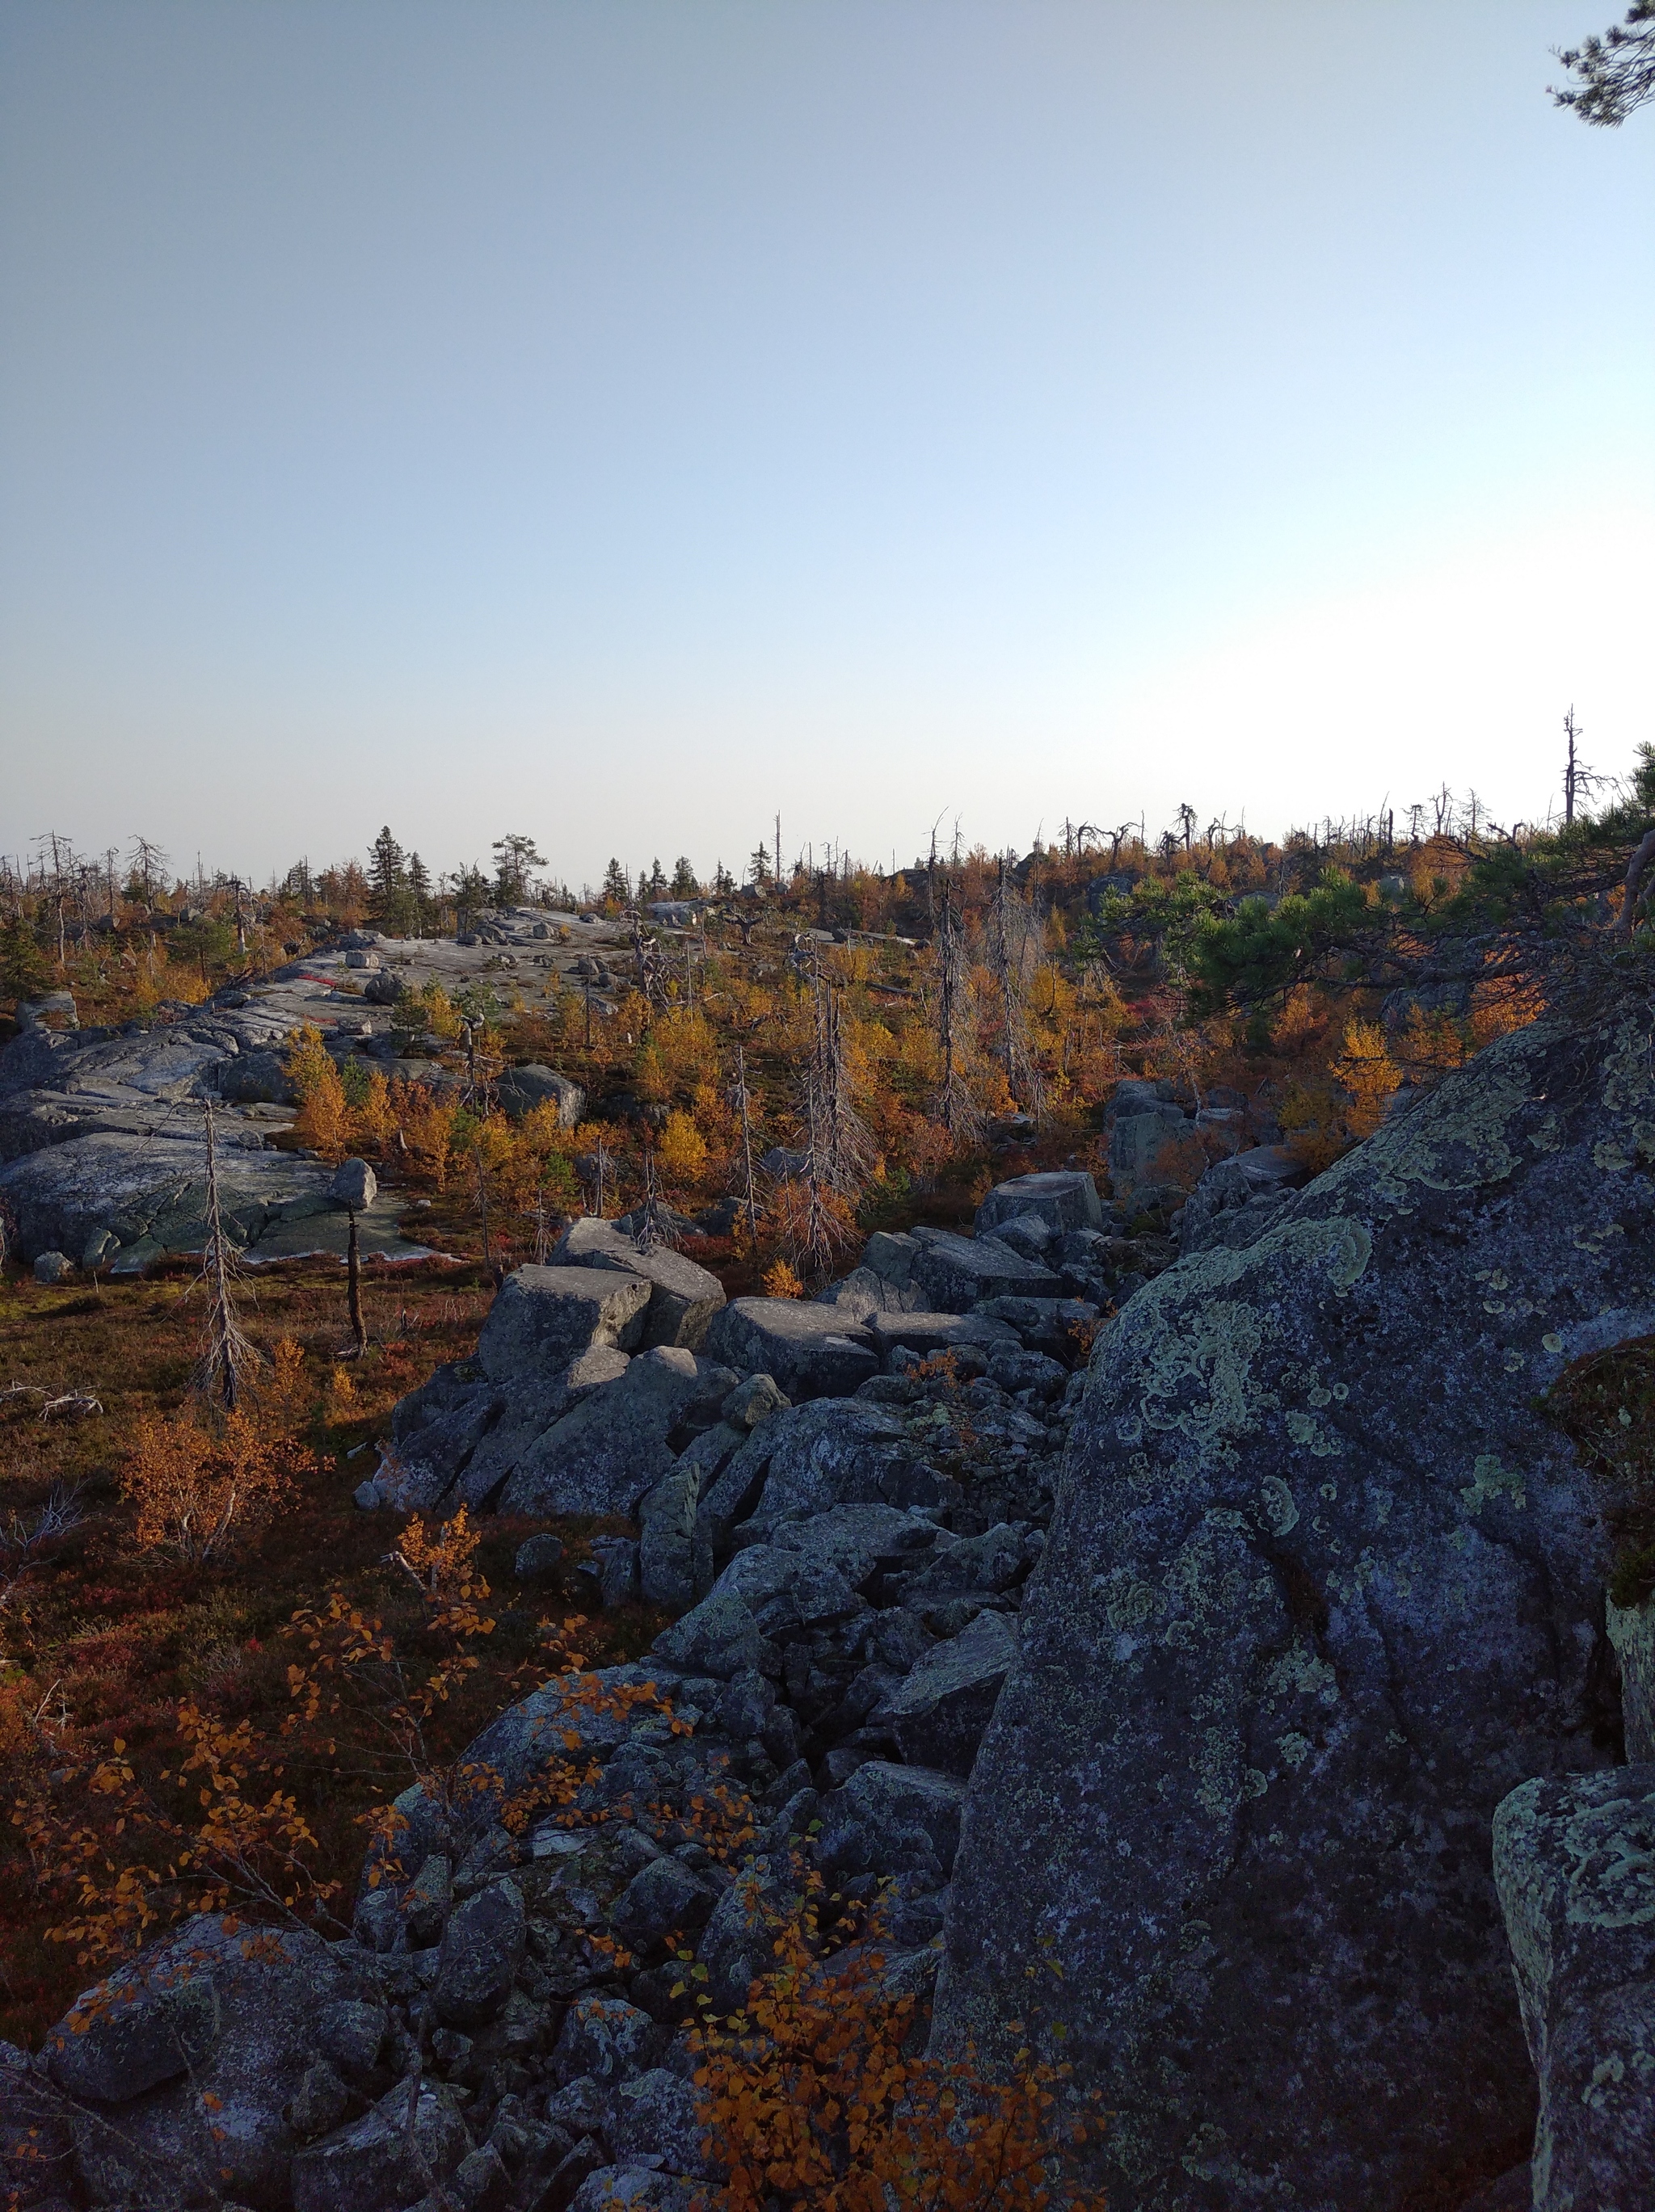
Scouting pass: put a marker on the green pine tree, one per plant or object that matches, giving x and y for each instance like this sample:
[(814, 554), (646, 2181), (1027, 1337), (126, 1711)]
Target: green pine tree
[(24, 971)]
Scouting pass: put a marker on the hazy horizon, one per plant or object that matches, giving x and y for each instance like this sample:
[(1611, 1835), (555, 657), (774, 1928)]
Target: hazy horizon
[(617, 424)]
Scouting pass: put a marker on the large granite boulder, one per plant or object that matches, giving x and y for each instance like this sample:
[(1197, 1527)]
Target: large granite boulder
[(954, 1272), (543, 1316), (183, 2063), (1574, 1860), (812, 1350), (521, 1089), (1322, 1586), (682, 1297), (1146, 1148), (1063, 1197), (602, 1457)]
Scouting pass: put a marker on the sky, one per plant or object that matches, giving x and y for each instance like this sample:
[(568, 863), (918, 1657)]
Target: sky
[(619, 422)]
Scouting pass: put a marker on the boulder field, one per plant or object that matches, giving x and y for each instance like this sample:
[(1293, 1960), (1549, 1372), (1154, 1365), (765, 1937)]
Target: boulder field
[(1239, 1664)]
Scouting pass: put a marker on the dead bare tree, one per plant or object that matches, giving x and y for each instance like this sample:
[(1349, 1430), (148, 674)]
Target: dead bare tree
[(956, 1107), (740, 1098), (838, 1149), (226, 1356), (1014, 947)]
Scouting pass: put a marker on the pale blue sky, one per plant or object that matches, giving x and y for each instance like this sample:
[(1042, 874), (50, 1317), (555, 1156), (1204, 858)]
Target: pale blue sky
[(615, 421)]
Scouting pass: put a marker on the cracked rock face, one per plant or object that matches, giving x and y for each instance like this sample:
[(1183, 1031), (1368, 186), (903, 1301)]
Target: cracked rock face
[(1322, 1586)]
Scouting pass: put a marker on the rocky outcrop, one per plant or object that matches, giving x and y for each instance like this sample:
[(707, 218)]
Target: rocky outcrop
[(479, 2034), (1322, 1587), (1574, 1861)]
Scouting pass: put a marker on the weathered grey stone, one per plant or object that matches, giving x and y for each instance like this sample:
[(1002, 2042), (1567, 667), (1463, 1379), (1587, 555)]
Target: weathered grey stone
[(53, 1267), (148, 2023), (634, 2189), (607, 2039), (938, 1715), (537, 1557), (1063, 1197), (1030, 1236), (674, 1567), (1140, 1146), (615, 1559), (834, 1453), (435, 1431), (482, 1950), (427, 1904), (684, 1297), (1631, 1633), (1574, 1861), (379, 2163), (320, 2102), (269, 1988), (603, 1455), (811, 1350), (348, 2034), (1237, 1199), (930, 1332), (960, 1566), (354, 1186), (861, 1294), (784, 1591), (891, 1255), (753, 1399), (544, 1316), (662, 1899), (954, 1272), (658, 2116), (571, 1720), (520, 1089), (1320, 1589), (854, 1541), (887, 1818), (256, 1079), (719, 1637), (711, 1452)]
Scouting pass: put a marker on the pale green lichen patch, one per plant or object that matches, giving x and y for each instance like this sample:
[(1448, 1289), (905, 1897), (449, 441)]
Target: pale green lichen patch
[(1200, 1382), (1218, 1773), (1490, 1479), (1280, 1512), (1629, 1071), (1313, 1438), (1302, 1673), (1611, 1879), (1294, 1748)]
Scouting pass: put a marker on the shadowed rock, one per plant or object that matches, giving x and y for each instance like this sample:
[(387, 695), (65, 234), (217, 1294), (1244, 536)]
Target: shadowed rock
[(1321, 1587)]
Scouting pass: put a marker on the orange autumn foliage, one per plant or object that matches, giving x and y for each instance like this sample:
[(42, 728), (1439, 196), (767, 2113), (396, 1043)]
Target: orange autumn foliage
[(814, 2099), (200, 1493)]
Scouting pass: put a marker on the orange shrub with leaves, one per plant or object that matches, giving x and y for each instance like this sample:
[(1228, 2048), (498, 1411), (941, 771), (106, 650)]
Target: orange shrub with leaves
[(199, 1491), (424, 1121), (814, 2100), (681, 1154), (1369, 1074), (324, 1115)]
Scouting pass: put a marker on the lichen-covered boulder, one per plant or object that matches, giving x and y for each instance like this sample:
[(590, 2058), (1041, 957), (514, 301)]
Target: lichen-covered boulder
[(1574, 1861), (183, 2063), (1322, 1585)]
